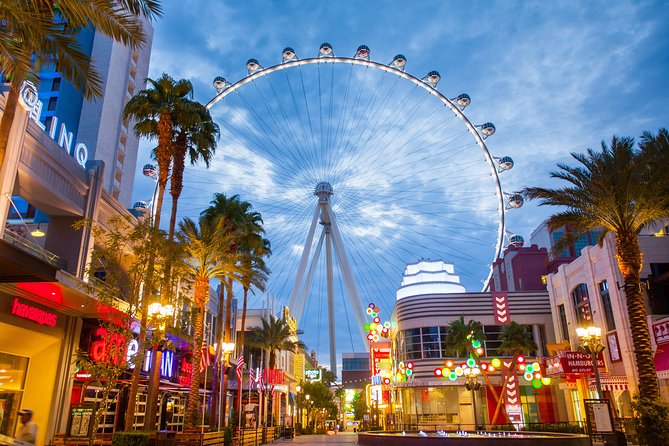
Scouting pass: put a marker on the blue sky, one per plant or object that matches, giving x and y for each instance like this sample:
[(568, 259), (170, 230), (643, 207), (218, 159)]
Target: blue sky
[(554, 77)]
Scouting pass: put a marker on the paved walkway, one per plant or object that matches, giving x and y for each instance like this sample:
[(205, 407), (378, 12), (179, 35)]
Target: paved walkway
[(341, 438)]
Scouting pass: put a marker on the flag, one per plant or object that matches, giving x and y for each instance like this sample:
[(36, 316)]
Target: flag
[(240, 369), (252, 375), (205, 359), (261, 384)]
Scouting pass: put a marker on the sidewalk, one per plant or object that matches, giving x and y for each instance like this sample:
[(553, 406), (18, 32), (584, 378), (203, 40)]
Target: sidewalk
[(342, 438)]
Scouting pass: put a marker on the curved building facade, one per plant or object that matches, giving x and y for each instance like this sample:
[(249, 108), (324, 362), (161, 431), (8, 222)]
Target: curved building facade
[(429, 298)]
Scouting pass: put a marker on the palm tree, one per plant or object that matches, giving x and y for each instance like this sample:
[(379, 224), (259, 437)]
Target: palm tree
[(459, 338), (275, 335), (227, 212), (34, 34), (196, 135), (253, 270), (516, 340), (156, 110), (615, 190), (206, 255)]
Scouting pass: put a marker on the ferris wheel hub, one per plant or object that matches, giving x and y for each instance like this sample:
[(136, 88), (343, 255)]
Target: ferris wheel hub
[(323, 190)]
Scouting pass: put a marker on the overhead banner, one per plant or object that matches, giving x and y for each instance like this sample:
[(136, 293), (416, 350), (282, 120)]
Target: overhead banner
[(500, 306)]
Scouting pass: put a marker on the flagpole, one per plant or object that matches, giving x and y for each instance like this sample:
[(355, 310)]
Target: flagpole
[(240, 387)]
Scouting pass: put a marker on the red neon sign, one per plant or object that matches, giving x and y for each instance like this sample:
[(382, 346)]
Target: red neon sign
[(112, 347), (34, 314)]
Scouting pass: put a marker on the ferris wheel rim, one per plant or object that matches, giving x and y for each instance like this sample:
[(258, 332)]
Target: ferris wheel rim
[(490, 160)]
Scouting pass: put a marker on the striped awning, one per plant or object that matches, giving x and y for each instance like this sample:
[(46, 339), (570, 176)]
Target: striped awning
[(610, 383)]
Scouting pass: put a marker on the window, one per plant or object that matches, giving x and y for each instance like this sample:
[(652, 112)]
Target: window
[(581, 243), (492, 342), (557, 236), (412, 343), (606, 304), (55, 86), (52, 103), (430, 336), (582, 304), (563, 322)]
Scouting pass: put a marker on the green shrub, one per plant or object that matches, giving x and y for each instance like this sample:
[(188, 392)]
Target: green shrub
[(652, 422), (130, 439), (503, 427), (562, 428), (227, 436)]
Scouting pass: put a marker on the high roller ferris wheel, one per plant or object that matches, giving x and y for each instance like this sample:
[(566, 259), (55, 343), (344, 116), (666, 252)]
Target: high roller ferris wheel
[(386, 165)]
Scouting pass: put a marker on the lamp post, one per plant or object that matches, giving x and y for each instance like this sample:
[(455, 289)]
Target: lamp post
[(590, 342), (227, 348), (473, 385), (159, 315)]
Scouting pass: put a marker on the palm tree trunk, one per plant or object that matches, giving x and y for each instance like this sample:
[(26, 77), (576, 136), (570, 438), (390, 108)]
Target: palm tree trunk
[(147, 293), (629, 258), (193, 410), (176, 182), (228, 308), (8, 117), (215, 384), (243, 325)]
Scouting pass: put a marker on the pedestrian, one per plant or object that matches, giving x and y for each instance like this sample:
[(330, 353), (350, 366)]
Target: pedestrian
[(27, 433)]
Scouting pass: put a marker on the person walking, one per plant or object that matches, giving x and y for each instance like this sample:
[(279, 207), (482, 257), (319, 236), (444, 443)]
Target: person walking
[(27, 433)]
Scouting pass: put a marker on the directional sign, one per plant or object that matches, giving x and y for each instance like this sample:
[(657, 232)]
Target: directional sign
[(500, 307)]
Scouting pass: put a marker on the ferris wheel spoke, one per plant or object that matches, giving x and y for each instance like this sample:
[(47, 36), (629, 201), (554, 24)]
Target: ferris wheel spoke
[(300, 146)]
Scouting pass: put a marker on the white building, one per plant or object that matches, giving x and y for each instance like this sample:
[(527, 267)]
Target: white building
[(588, 291)]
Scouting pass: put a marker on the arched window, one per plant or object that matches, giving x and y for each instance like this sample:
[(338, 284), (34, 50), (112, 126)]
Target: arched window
[(582, 304)]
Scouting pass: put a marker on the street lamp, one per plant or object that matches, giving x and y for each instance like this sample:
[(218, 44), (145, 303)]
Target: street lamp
[(473, 385), (590, 342)]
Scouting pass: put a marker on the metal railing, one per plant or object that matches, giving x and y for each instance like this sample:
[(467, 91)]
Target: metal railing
[(34, 250)]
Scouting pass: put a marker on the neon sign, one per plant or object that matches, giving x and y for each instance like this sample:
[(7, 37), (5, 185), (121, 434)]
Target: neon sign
[(166, 363), (34, 314), (28, 98), (110, 348)]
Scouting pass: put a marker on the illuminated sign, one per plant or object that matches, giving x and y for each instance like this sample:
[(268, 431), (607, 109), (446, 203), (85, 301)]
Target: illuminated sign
[(185, 372), (166, 363), (110, 347), (34, 314), (312, 374), (380, 356), (28, 99), (83, 375)]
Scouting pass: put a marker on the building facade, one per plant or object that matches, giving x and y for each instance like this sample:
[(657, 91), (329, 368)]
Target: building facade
[(421, 317), (588, 291)]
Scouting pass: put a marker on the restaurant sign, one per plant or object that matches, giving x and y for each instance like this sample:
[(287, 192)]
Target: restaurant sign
[(569, 362)]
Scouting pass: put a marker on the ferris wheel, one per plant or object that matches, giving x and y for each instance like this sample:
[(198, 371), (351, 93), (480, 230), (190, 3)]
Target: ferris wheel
[(358, 168)]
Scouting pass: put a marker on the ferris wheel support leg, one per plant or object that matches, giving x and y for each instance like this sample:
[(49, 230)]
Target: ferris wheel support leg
[(331, 313), (349, 281), (304, 293), (303, 261)]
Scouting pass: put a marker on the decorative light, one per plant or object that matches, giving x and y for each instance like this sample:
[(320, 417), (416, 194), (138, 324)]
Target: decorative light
[(37, 232), (437, 372), (496, 362)]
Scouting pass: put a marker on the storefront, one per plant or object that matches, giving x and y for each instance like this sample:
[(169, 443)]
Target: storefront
[(35, 347)]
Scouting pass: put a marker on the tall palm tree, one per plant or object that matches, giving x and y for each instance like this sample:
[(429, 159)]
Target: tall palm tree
[(614, 190), (195, 138), (516, 340), (156, 110), (205, 247), (459, 338), (253, 270), (275, 335), (37, 33), (228, 213)]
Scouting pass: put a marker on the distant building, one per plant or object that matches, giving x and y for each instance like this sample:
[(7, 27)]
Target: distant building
[(520, 269), (355, 370), (99, 123), (544, 237)]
